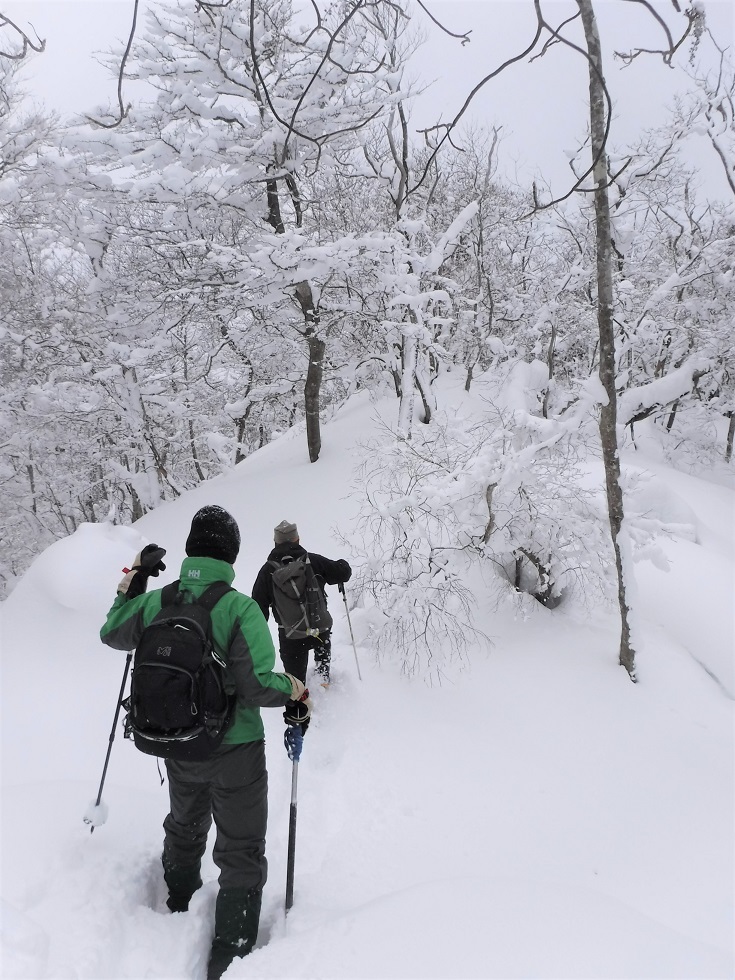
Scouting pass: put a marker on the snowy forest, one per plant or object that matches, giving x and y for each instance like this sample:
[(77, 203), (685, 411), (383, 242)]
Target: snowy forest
[(266, 268), (255, 231)]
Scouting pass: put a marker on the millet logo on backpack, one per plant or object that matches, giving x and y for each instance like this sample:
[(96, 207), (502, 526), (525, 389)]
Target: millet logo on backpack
[(163, 652)]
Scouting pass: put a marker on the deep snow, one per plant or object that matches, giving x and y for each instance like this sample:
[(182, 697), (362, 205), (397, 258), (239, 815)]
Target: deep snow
[(536, 816)]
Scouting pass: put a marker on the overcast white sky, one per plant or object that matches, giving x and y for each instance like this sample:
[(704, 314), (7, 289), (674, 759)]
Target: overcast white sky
[(541, 106)]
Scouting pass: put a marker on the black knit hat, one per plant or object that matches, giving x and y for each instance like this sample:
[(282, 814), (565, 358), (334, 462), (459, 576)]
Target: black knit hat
[(214, 534)]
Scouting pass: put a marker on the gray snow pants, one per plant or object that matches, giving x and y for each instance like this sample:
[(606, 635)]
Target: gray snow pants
[(232, 787)]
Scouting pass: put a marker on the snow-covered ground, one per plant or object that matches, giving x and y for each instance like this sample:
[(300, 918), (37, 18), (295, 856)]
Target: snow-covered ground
[(537, 816)]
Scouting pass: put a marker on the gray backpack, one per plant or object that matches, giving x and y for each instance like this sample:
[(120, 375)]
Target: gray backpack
[(299, 603)]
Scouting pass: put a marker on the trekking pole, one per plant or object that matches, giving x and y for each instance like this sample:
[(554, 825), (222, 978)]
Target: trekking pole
[(349, 623), (294, 740), (95, 815)]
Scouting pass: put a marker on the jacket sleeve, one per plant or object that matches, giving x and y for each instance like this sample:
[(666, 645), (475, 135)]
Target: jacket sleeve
[(127, 619), (262, 590), (333, 572), (251, 658)]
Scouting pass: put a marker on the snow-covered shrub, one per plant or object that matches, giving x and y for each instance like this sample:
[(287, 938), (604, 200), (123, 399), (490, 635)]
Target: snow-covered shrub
[(412, 550), (509, 489)]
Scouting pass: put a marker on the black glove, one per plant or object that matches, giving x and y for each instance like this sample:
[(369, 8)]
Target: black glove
[(147, 563), (150, 560), (298, 713)]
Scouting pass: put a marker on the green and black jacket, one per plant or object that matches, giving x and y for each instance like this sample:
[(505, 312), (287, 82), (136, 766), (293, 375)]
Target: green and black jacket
[(240, 634)]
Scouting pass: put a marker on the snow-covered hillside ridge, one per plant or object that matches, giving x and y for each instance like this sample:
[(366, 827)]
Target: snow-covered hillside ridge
[(537, 815)]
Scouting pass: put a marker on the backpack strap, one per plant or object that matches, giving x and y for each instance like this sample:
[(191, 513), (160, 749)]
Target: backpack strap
[(212, 596), (170, 594)]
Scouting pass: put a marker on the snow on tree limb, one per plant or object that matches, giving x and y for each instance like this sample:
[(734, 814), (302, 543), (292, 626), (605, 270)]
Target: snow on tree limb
[(662, 391)]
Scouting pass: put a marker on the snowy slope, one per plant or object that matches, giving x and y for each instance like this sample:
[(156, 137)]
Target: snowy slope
[(539, 816)]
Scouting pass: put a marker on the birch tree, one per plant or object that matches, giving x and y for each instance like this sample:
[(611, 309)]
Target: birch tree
[(605, 321)]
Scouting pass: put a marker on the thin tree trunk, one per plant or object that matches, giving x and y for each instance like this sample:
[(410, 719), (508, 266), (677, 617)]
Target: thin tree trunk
[(550, 364), (317, 347), (274, 218), (408, 385), (315, 371), (605, 302), (730, 437), (32, 484), (672, 416), (312, 390), (423, 387)]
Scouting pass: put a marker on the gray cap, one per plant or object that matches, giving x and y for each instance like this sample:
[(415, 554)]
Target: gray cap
[(285, 531)]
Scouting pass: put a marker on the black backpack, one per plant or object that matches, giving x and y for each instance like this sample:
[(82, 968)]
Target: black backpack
[(178, 707), (298, 599)]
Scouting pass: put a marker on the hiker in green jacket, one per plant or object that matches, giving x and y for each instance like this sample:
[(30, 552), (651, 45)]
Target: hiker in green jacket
[(230, 785)]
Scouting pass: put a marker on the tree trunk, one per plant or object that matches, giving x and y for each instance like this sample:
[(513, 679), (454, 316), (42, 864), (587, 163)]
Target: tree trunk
[(550, 364), (312, 391), (423, 386), (730, 437), (317, 347), (313, 386), (672, 416), (409, 356), (274, 218), (32, 484), (605, 302)]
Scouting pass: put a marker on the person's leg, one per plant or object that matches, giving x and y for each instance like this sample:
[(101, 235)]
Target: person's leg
[(186, 828), (323, 657), (240, 808), (236, 918), (295, 657)]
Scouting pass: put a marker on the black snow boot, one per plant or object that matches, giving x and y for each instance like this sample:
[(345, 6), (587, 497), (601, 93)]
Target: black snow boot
[(182, 883), (236, 919)]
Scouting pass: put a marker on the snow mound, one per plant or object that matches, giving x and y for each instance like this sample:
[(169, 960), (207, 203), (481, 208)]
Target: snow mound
[(74, 572)]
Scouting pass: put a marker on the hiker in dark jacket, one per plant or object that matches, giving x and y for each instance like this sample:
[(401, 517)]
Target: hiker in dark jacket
[(231, 784), (295, 653)]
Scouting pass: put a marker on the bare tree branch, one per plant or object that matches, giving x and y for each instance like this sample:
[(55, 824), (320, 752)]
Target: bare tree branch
[(37, 46), (556, 37), (608, 110), (464, 38), (123, 110), (448, 127), (666, 53), (264, 95)]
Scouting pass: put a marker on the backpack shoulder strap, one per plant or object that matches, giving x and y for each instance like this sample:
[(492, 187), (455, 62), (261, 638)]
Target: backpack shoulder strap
[(169, 594), (212, 596)]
